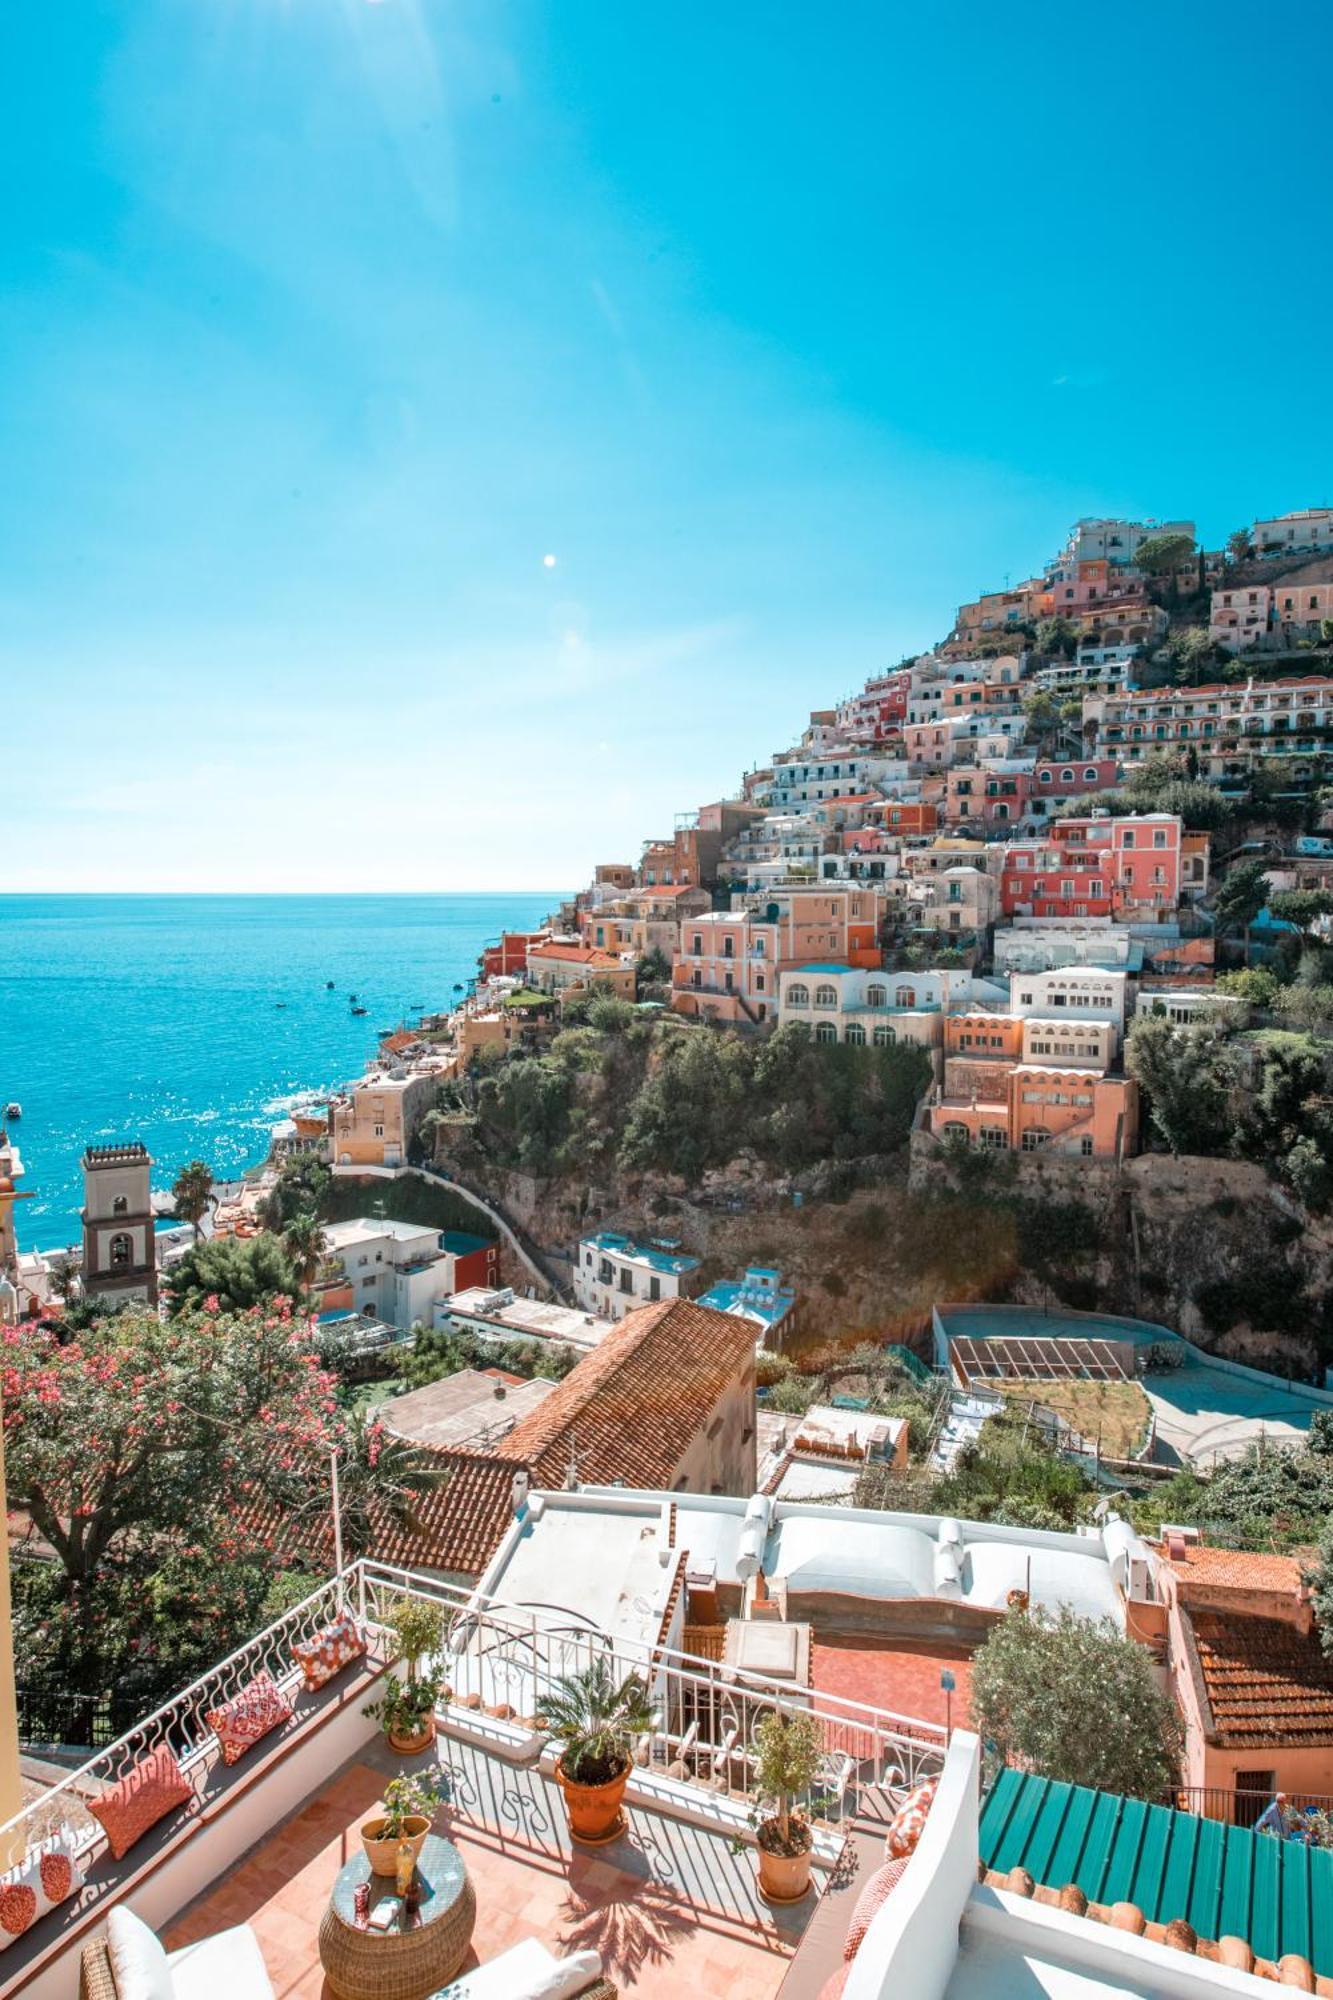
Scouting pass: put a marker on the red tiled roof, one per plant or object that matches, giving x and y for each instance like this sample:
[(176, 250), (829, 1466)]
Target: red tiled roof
[(632, 1408), (1235, 1569), (459, 1523), (1265, 1684), (581, 954)]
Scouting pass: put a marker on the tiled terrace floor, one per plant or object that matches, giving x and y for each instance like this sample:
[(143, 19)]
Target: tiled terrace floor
[(902, 1678), (673, 1912)]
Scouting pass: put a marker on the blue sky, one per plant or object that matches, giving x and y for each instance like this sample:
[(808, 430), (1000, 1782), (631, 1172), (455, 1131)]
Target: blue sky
[(782, 328)]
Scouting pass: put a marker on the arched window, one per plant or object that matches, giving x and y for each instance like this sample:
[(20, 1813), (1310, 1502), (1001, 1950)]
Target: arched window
[(884, 1036), (953, 1130), (1045, 777), (1090, 775), (1035, 1138), (122, 1253), (798, 996), (826, 996), (855, 1033), (1066, 777), (904, 996), (121, 1205), (826, 1032), (876, 995)]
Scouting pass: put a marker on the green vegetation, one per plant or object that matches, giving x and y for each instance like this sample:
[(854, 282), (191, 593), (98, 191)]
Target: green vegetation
[(1271, 1499), (237, 1272), (437, 1353), (1008, 1475), (190, 1193), (1077, 1701), (625, 1092)]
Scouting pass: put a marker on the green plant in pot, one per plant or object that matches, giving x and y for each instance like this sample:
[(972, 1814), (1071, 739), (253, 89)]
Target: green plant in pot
[(788, 1750), (597, 1719), (406, 1710), (410, 1800)]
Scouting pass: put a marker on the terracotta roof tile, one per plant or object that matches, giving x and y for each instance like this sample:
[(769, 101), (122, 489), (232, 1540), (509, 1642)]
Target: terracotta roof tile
[(1235, 1569), (1267, 1684), (633, 1407), (459, 1523)]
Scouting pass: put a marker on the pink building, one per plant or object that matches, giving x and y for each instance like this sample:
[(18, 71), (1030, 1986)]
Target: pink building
[(726, 969), (1097, 867)]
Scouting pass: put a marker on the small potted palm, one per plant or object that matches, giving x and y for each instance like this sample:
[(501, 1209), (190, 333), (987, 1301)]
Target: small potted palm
[(406, 1709), (410, 1800), (597, 1719), (787, 1751)]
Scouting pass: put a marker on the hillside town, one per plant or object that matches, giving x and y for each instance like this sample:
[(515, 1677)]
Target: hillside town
[(794, 1422)]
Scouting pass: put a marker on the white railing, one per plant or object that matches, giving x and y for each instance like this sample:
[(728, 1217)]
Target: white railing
[(180, 1724), (501, 1659)]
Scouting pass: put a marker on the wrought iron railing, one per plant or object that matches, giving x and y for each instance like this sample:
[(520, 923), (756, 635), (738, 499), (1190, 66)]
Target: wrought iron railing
[(180, 1724), (1246, 1808), (501, 1659)]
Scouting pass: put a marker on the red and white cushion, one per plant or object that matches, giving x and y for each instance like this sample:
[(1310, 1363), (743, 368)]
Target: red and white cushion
[(239, 1723), (45, 1877), (329, 1651), (908, 1823), (869, 1904), (154, 1787)]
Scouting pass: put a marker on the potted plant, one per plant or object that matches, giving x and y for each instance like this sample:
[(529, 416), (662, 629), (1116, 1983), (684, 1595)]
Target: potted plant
[(410, 1800), (788, 1749), (406, 1710), (596, 1717)]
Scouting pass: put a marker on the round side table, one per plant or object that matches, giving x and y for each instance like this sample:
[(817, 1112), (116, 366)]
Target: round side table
[(401, 1963)]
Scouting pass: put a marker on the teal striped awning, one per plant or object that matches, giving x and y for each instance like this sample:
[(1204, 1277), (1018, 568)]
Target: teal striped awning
[(1224, 1880)]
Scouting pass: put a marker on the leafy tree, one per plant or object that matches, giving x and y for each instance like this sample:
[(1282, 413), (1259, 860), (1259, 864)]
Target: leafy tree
[(191, 1192), (1187, 1075), (304, 1241), (653, 969), (1240, 547), (1192, 651), (1163, 555), (237, 1272), (301, 1187), (1240, 897), (1057, 636), (1257, 984), (610, 1015), (1077, 1701), (142, 1433), (381, 1478), (1302, 907)]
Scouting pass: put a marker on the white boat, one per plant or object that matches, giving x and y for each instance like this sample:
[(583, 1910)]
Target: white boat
[(14, 1109)]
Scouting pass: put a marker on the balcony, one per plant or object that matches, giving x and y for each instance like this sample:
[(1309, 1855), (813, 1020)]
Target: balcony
[(672, 1905)]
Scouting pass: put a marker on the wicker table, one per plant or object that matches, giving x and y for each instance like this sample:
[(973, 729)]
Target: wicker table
[(400, 1963)]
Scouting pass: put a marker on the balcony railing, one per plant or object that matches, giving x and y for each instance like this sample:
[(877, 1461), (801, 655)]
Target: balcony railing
[(501, 1661)]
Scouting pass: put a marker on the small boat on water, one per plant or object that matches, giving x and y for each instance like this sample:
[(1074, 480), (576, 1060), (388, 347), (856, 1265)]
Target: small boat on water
[(360, 1010), (458, 986), (13, 1109), (280, 1005), (328, 986)]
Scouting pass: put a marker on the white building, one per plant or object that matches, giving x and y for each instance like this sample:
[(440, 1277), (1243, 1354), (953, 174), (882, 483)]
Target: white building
[(852, 1003), (614, 1273), (1307, 531), (397, 1270), (1083, 992), (1033, 944), (499, 1315)]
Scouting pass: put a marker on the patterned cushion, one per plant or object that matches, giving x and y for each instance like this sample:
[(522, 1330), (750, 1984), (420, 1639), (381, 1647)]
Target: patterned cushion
[(908, 1823), (146, 1794), (833, 1985), (240, 1722), (869, 1903), (329, 1651), (44, 1877)]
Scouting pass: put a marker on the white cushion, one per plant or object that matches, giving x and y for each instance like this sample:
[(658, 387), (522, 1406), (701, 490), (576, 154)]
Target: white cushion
[(227, 1966), (140, 1964), (526, 1972)]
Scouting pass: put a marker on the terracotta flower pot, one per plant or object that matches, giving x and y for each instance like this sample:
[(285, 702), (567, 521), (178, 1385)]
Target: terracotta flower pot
[(783, 1878), (594, 1810), (382, 1854), (408, 1744)]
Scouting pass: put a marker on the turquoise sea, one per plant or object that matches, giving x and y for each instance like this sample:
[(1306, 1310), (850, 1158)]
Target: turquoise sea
[(191, 1022)]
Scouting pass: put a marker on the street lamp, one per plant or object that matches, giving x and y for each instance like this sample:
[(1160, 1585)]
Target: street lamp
[(948, 1683)]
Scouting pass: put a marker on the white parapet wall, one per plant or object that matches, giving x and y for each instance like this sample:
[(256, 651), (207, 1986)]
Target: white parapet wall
[(911, 1947)]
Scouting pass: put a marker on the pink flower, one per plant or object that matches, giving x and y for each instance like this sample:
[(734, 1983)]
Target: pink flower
[(212, 1303)]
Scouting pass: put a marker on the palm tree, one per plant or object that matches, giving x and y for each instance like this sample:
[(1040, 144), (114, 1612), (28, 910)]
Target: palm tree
[(192, 1191), (305, 1243), (382, 1480)]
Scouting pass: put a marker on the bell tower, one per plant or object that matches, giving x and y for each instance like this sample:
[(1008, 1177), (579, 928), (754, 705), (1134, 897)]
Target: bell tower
[(119, 1248)]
